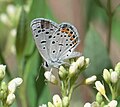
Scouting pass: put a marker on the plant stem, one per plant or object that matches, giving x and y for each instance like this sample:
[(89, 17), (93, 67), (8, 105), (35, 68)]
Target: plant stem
[(109, 25)]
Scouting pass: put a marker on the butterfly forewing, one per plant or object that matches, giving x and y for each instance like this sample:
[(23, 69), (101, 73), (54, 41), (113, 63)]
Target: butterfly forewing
[(43, 30)]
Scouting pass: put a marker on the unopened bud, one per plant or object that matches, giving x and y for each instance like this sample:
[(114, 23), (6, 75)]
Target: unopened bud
[(57, 101), (13, 84), (117, 67), (87, 62), (80, 61), (114, 77), (87, 105), (62, 72), (72, 69), (50, 77), (10, 99), (106, 75), (18, 81), (11, 87), (90, 80), (100, 87)]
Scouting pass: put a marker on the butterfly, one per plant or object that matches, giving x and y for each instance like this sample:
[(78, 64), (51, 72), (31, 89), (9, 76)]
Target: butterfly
[(55, 42)]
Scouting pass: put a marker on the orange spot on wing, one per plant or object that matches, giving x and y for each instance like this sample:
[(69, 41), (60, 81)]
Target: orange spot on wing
[(70, 34), (71, 38)]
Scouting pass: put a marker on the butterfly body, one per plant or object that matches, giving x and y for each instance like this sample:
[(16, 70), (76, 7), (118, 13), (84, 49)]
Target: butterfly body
[(55, 42)]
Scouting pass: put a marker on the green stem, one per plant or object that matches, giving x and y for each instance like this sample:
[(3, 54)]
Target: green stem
[(109, 24), (112, 91)]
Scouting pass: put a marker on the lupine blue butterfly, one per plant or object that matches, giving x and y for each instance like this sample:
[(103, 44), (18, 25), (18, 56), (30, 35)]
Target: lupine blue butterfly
[(55, 42)]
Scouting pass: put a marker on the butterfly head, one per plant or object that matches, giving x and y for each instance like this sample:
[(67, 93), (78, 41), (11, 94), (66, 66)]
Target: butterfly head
[(49, 65)]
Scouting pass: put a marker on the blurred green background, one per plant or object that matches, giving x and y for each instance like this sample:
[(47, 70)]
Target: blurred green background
[(97, 22)]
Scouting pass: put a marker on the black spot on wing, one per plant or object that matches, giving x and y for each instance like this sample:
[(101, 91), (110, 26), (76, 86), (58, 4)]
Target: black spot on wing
[(39, 31), (46, 32), (53, 51), (53, 42), (50, 36), (36, 36), (60, 44), (44, 41)]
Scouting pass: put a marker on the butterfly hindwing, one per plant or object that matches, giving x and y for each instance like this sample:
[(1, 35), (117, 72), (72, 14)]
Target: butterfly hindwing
[(66, 40)]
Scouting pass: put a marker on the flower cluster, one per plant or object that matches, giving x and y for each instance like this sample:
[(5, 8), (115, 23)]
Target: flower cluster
[(68, 76), (57, 102), (111, 77), (7, 91)]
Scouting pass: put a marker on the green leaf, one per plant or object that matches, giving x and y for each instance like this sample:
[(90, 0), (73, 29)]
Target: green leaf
[(37, 90), (96, 51), (21, 33)]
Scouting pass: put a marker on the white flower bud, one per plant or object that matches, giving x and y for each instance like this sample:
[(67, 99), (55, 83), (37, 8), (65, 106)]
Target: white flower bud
[(11, 87), (114, 77), (10, 99), (2, 71), (106, 75), (50, 77), (57, 101), (87, 105), (87, 61), (73, 68), (117, 67), (90, 80), (43, 105), (18, 81), (80, 61), (113, 103), (62, 72), (13, 84), (100, 87)]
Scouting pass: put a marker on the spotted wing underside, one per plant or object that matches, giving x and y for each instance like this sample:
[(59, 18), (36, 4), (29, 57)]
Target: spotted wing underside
[(64, 41), (43, 30)]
